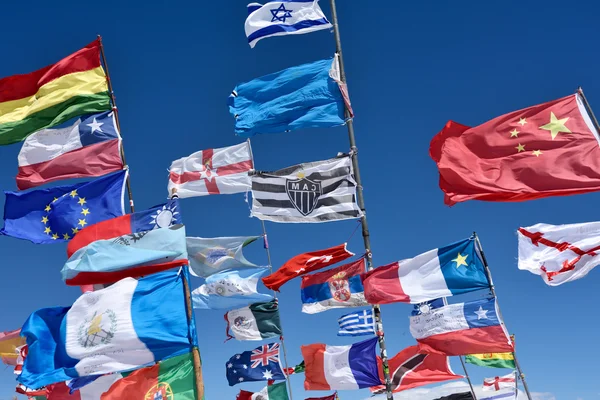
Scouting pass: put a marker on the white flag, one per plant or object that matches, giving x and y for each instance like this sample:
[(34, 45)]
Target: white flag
[(559, 253), (212, 171), (500, 382)]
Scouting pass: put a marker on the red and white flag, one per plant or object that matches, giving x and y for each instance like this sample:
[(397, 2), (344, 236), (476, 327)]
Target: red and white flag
[(500, 382), (305, 263), (212, 171), (559, 253)]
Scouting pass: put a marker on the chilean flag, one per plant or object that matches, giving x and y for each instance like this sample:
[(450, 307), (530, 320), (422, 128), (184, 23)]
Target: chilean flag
[(461, 329), (447, 271), (341, 367), (90, 146)]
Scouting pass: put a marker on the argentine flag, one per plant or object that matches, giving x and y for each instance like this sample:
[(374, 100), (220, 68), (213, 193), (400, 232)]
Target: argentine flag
[(284, 17), (130, 324)]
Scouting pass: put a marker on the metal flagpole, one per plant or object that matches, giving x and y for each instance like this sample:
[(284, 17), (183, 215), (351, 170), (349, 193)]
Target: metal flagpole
[(195, 351), (587, 106), (468, 377), (493, 291), (361, 204), (116, 112), (268, 251)]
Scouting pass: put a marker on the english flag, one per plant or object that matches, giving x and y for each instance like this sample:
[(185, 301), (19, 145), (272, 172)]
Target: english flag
[(559, 253), (500, 382), (549, 149), (212, 171), (305, 263)]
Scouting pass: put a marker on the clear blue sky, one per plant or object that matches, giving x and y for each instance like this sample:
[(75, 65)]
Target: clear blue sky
[(411, 67)]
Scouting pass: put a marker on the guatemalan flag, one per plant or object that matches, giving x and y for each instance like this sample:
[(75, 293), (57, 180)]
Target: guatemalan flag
[(284, 17), (341, 367), (447, 271), (125, 326), (89, 146), (461, 329)]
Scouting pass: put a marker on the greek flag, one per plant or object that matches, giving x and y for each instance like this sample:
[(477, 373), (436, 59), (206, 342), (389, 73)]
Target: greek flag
[(357, 324), (286, 17)]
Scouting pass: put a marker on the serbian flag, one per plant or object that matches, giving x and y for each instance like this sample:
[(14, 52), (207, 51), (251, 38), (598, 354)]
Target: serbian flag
[(160, 216), (305, 263), (545, 150), (341, 367), (461, 329), (212, 171), (409, 369), (88, 147), (9, 342), (447, 271)]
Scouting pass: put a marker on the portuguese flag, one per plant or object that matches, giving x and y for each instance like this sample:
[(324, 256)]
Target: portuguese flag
[(74, 86), (171, 379), (492, 360)]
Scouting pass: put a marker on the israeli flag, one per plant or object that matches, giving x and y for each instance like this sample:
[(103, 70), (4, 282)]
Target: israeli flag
[(284, 17), (357, 324)]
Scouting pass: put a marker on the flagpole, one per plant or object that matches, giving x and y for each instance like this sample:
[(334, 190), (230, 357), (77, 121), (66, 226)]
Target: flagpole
[(493, 291), (468, 377), (587, 106), (361, 203), (268, 251), (116, 112), (195, 351)]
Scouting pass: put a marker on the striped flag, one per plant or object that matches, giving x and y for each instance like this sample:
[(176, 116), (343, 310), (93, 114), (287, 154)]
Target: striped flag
[(319, 191), (500, 382), (357, 324)]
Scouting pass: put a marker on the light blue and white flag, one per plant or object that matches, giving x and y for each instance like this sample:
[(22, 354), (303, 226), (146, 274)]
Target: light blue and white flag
[(230, 289), (277, 18), (127, 325), (357, 324)]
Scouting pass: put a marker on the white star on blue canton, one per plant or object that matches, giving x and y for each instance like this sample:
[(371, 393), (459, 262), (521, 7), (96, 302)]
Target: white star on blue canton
[(95, 126), (245, 366), (481, 313)]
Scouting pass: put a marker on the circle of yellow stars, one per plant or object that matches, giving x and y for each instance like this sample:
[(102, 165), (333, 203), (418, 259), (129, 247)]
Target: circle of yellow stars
[(85, 211), (555, 126)]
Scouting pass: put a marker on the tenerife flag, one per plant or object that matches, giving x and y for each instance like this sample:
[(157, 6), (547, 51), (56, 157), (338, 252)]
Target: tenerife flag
[(57, 214), (127, 325), (284, 17), (447, 271)]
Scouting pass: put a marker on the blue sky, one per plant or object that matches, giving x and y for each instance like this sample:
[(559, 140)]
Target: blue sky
[(411, 66)]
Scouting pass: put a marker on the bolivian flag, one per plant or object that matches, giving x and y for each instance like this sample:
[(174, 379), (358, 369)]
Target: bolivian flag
[(493, 360), (73, 86)]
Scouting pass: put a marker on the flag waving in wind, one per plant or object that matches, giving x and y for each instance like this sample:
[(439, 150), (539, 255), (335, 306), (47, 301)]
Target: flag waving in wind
[(261, 364)]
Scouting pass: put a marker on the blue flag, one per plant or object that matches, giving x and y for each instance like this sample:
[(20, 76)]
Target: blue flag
[(304, 96), (357, 324), (57, 214), (427, 306), (230, 289), (260, 364)]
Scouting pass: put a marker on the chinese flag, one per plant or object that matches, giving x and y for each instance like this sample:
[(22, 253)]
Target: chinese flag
[(551, 149)]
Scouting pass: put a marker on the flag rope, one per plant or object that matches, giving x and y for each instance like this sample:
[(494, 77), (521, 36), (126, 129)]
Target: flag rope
[(361, 202)]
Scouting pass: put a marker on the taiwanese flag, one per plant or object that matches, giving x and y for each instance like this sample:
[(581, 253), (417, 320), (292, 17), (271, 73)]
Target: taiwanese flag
[(545, 150)]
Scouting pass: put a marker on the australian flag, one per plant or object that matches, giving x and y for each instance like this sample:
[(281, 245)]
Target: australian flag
[(260, 364)]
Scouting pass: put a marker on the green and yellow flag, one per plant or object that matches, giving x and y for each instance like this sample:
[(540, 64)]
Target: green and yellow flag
[(492, 360)]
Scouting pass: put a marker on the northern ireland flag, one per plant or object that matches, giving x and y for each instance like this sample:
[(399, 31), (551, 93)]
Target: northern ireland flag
[(212, 171), (89, 146), (341, 367), (461, 329)]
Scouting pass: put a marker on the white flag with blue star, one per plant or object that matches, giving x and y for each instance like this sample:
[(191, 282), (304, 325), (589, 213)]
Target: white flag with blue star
[(284, 17)]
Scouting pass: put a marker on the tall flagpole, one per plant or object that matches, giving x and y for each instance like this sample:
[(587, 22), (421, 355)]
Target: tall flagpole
[(493, 291), (468, 377), (116, 112), (361, 204), (268, 251), (195, 352), (589, 109)]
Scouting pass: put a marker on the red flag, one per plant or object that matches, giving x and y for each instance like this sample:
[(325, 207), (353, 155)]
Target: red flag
[(409, 369), (332, 397), (305, 263), (545, 150)]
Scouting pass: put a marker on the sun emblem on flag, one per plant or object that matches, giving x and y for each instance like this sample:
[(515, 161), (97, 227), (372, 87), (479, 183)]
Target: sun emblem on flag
[(97, 330), (166, 216), (160, 391), (72, 197)]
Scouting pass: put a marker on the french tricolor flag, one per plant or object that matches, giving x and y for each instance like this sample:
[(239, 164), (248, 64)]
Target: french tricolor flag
[(460, 329), (447, 271), (341, 367)]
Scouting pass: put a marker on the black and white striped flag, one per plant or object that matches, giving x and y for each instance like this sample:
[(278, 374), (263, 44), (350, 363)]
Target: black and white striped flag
[(320, 191)]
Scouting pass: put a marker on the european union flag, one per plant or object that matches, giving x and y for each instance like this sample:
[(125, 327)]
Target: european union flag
[(56, 214)]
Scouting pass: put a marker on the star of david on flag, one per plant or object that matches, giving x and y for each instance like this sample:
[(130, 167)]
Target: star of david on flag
[(259, 364)]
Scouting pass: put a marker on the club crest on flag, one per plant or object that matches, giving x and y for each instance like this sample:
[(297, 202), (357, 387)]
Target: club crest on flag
[(340, 287), (303, 193), (100, 329), (161, 391), (264, 355)]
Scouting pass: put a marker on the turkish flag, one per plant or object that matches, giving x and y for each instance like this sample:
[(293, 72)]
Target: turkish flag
[(305, 263), (409, 369), (551, 149)]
